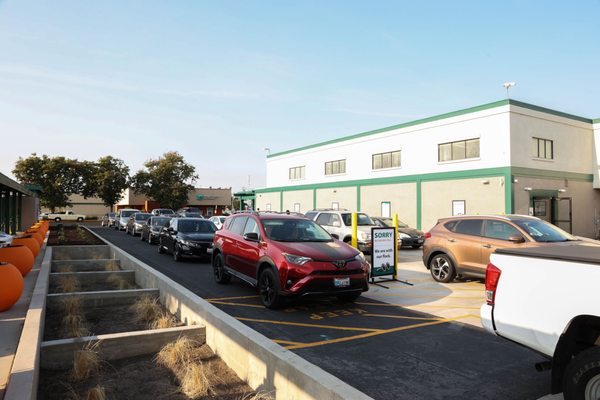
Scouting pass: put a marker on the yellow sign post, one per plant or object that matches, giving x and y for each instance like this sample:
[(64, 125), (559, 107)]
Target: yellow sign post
[(355, 230), (395, 223)]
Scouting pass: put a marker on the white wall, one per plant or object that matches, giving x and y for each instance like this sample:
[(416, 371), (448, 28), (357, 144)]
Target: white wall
[(419, 146), (573, 141), (596, 156)]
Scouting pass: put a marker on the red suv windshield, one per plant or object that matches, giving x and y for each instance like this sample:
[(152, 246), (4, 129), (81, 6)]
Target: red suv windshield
[(295, 230)]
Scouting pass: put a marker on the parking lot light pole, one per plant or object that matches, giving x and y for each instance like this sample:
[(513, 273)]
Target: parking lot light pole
[(355, 230)]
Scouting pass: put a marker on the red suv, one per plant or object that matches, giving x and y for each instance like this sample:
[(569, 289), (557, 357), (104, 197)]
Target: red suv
[(287, 256)]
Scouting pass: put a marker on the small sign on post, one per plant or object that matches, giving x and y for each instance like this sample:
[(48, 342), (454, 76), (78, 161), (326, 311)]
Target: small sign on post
[(384, 252)]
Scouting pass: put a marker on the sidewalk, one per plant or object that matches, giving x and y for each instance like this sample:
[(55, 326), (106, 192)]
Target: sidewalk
[(11, 323)]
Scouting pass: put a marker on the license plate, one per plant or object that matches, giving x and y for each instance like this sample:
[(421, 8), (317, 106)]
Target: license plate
[(341, 282)]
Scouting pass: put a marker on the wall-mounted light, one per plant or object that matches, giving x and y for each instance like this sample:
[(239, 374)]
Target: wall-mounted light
[(485, 182), (562, 190), (334, 191), (527, 189), (515, 180)]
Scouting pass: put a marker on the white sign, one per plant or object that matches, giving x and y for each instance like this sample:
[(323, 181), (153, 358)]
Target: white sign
[(384, 251), (458, 207)]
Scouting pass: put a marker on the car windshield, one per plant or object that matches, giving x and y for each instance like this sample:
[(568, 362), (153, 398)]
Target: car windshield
[(295, 230), (195, 226), (160, 221), (165, 211), (363, 219), (142, 216), (192, 211), (193, 214), (111, 215), (127, 213), (542, 231), (390, 222)]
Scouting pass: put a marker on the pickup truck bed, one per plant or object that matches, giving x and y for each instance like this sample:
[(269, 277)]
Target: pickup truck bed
[(548, 299)]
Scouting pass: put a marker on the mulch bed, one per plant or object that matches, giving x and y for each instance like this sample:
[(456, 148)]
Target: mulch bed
[(71, 235), (140, 378)]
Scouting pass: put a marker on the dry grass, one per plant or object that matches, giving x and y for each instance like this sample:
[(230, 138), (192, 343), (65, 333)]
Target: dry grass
[(85, 362), (119, 282), (73, 325), (64, 268), (72, 305), (146, 309), (177, 354), (96, 393), (165, 320), (67, 284), (257, 396), (112, 267), (194, 382)]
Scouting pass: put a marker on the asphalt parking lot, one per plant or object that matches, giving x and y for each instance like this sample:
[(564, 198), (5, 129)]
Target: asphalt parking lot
[(394, 342)]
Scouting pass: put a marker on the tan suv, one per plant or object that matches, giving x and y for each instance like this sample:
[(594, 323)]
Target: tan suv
[(461, 246)]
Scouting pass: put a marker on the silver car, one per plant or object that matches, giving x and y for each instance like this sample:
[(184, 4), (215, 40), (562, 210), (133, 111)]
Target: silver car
[(122, 218), (136, 223)]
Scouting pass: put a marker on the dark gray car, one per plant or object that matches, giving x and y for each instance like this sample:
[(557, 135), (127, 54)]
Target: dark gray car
[(151, 229), (408, 236), (187, 237)]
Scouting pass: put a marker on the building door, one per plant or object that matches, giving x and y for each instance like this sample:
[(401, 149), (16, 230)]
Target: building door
[(542, 208), (562, 213)]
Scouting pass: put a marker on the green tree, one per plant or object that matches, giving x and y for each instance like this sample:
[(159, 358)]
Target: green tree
[(167, 180), (111, 178), (58, 177)]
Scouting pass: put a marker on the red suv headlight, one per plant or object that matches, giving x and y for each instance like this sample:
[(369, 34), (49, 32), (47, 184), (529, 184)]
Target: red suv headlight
[(295, 259)]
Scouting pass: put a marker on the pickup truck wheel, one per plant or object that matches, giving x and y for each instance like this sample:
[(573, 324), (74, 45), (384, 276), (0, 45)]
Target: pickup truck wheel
[(582, 376), (79, 219), (442, 269), (268, 289), (57, 219), (221, 276)]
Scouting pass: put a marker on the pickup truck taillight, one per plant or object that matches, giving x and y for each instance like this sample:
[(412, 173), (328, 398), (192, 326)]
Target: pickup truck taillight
[(492, 276), (427, 235)]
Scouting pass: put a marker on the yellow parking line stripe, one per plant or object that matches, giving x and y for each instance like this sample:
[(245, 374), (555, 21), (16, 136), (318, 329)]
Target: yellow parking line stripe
[(341, 328), (370, 334), (452, 289), (231, 298), (402, 317), (289, 342), (413, 305), (237, 304), (410, 296)]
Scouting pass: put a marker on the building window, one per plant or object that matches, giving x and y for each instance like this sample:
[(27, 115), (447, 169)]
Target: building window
[(542, 148), (297, 173), (297, 207), (335, 167), (386, 160), (458, 150), (386, 209)]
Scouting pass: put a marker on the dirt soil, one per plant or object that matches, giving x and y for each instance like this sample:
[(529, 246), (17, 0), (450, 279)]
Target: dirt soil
[(140, 378), (99, 321), (71, 235)]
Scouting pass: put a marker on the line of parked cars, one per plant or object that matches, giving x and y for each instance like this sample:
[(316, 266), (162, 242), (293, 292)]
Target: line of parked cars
[(185, 233)]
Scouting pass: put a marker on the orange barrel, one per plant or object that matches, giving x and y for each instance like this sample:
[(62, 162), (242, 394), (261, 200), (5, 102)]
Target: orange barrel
[(30, 242), (11, 286), (36, 235), (20, 256)]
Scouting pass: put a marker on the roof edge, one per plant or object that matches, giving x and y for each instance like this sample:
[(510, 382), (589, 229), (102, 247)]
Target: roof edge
[(495, 104)]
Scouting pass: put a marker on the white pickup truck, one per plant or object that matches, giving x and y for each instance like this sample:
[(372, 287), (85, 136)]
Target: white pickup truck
[(548, 299), (66, 216)]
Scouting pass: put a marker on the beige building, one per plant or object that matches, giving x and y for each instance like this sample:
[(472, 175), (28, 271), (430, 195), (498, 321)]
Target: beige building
[(499, 158), (210, 201)]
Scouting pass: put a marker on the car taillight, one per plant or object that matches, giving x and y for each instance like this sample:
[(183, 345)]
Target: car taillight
[(492, 276), (427, 235)]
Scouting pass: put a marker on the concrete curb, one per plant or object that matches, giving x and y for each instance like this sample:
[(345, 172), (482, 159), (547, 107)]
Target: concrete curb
[(58, 354), (263, 364), (102, 298), (25, 370)]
